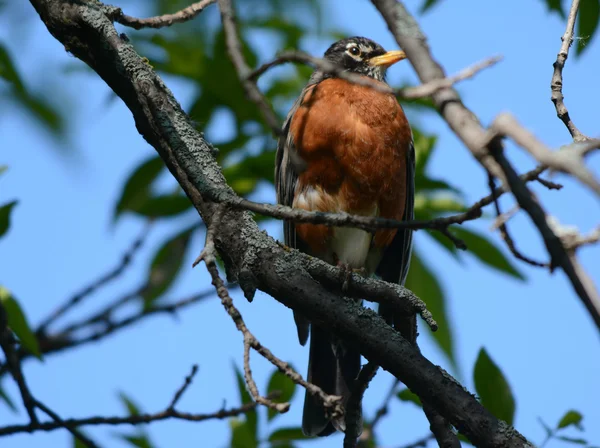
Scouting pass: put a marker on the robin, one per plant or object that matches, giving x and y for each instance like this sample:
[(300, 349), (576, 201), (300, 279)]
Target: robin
[(348, 148)]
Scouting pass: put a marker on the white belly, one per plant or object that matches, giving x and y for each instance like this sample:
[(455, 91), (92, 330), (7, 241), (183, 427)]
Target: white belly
[(351, 246)]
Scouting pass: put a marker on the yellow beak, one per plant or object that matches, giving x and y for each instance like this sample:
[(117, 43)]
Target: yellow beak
[(387, 59)]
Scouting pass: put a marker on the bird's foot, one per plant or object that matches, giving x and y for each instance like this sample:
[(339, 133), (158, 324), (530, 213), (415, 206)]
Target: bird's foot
[(347, 272)]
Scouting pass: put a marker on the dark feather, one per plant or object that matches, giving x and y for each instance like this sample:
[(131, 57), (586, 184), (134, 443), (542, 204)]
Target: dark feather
[(395, 262)]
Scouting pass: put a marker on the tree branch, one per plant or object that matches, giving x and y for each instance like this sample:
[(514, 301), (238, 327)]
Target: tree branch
[(184, 15), (234, 48), (408, 93), (99, 283), (248, 253), (489, 152), (208, 255), (556, 84), (128, 420)]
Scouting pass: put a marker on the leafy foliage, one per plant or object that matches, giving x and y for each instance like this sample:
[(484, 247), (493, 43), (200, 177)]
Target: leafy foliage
[(588, 18), (17, 322), (571, 419), (493, 389), (166, 265), (284, 387), (139, 437), (36, 105), (5, 211), (423, 282), (587, 23)]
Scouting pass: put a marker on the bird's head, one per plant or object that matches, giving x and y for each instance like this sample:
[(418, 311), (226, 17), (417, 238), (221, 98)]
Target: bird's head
[(363, 56)]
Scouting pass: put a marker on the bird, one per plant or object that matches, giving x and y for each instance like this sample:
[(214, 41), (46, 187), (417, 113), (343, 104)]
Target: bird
[(346, 147)]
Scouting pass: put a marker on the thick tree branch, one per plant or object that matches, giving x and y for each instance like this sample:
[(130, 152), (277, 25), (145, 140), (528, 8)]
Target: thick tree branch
[(556, 84), (248, 253)]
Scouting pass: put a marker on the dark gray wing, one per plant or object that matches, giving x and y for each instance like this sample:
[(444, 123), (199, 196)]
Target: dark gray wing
[(395, 262), (288, 165)]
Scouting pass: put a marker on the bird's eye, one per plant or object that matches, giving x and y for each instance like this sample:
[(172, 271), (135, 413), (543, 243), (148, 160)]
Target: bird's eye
[(354, 51)]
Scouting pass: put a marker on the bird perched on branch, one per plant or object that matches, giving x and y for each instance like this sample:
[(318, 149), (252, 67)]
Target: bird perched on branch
[(348, 148)]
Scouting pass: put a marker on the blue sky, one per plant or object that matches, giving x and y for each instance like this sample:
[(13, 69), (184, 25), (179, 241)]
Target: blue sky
[(62, 238)]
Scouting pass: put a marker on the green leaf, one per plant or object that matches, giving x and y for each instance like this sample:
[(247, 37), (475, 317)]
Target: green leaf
[(5, 211), (282, 384), (137, 188), (36, 105), (571, 418), (5, 397), (244, 176), (428, 5), (486, 251), (8, 71), (424, 147), (165, 266), (587, 23), (243, 435), (423, 282), (43, 111), (438, 204), (18, 323), (408, 396), (3, 169), (78, 443), (556, 7), (251, 422), (493, 389), (287, 434), (547, 428), (445, 242), (130, 406), (165, 205), (573, 440), (137, 440)]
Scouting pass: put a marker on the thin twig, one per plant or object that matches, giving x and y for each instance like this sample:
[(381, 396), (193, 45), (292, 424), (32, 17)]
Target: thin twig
[(326, 66), (556, 84), (234, 48), (504, 233), (183, 388), (76, 433), (127, 420), (168, 413), (63, 340), (368, 223), (504, 217), (208, 255), (183, 15), (569, 159), (113, 274), (380, 413), (558, 253), (13, 363)]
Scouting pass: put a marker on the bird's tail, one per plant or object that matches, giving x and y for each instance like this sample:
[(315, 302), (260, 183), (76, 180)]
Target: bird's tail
[(333, 366)]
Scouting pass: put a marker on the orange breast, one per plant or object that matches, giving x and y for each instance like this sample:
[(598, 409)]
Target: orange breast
[(354, 141)]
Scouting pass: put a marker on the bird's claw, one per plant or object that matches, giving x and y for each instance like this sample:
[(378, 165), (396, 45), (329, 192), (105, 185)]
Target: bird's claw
[(347, 272)]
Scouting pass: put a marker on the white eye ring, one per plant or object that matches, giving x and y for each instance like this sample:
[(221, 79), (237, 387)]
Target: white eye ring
[(353, 51)]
